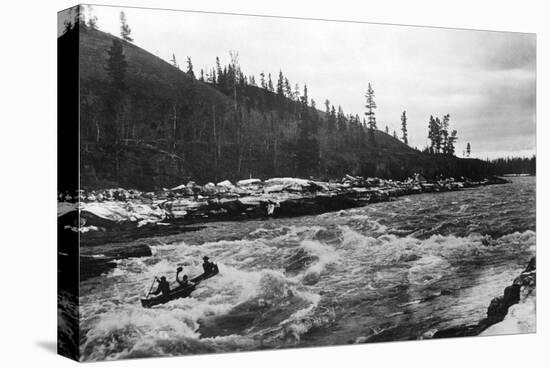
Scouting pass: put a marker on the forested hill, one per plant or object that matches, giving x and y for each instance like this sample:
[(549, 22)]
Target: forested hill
[(146, 124)]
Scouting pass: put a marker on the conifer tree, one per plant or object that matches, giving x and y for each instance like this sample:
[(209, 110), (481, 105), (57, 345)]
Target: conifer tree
[(445, 133), (304, 95), (269, 83), (174, 61), (116, 65), (288, 89), (281, 84), (190, 71), (434, 134), (404, 127), (333, 118), (220, 80), (451, 142), (468, 149), (370, 106), (341, 119), (116, 69), (438, 135), (125, 31)]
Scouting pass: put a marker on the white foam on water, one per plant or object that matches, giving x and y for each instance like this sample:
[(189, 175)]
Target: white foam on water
[(359, 258), (121, 327), (428, 269), (520, 319)]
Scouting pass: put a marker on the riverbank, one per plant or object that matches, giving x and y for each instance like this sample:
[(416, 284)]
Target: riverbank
[(119, 216), (514, 312)]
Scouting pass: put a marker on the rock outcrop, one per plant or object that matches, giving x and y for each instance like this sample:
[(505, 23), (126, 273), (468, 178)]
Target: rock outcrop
[(96, 260), (118, 215), (522, 290)]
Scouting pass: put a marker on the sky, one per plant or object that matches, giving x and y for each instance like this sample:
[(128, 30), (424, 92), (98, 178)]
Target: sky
[(485, 80)]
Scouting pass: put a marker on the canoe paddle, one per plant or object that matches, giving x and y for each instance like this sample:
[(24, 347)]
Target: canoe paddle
[(151, 289)]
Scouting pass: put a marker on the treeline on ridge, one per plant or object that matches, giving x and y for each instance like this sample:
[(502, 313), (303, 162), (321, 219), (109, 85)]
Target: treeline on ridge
[(147, 124)]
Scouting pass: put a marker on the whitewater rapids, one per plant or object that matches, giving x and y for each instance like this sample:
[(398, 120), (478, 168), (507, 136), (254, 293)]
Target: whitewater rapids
[(389, 271)]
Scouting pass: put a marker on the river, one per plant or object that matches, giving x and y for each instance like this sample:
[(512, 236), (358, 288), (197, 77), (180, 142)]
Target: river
[(396, 270)]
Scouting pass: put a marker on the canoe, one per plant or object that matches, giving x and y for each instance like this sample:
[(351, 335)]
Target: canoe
[(204, 276), (179, 292)]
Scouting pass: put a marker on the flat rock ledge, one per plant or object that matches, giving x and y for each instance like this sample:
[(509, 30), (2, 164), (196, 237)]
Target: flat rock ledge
[(119, 215)]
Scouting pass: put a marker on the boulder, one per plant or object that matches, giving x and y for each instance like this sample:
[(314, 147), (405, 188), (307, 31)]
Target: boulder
[(522, 287)]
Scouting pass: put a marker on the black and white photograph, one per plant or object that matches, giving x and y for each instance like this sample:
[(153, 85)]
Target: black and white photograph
[(232, 182)]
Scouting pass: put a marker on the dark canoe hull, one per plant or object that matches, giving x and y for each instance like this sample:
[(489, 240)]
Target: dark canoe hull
[(180, 292), (203, 276)]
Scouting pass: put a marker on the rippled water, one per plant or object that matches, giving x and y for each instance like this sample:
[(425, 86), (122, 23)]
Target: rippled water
[(388, 271)]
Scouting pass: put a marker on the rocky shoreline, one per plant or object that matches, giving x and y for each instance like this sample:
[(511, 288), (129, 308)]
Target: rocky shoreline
[(500, 320), (108, 218)]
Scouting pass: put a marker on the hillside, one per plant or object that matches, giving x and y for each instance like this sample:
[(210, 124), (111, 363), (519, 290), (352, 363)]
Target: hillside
[(165, 127)]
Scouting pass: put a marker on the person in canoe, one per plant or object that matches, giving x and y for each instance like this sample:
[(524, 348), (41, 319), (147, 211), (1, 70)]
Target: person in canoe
[(163, 288), (207, 266), (184, 282)]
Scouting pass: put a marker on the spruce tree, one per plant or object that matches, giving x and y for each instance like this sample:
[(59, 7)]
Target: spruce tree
[(281, 84), (404, 127), (288, 89), (468, 149), (432, 134), (451, 142), (370, 106), (304, 96), (220, 77), (125, 30), (269, 83), (445, 133), (190, 71), (174, 61), (116, 65), (341, 119), (438, 135), (332, 119), (307, 148)]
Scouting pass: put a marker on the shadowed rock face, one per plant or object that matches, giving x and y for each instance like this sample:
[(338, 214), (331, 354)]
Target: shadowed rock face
[(499, 305), (97, 260), (498, 308)]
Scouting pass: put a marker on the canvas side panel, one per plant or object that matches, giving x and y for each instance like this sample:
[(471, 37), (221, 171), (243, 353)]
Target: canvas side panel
[(68, 184)]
